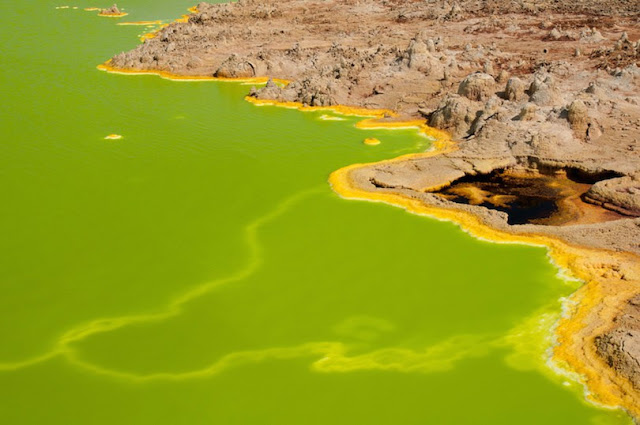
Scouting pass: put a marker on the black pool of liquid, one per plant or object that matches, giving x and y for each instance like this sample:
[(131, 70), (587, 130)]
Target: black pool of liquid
[(526, 199)]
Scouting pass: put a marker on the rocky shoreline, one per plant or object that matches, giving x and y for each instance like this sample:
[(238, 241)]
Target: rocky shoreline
[(546, 91), (529, 88)]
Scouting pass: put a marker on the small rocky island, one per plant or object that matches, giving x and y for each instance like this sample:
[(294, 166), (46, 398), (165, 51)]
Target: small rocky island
[(113, 12), (541, 99)]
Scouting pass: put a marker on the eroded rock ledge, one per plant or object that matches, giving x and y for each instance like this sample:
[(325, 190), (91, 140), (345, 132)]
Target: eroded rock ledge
[(523, 87), (621, 345)]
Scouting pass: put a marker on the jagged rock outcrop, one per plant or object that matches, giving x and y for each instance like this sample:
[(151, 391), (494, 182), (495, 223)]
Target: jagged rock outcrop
[(112, 11), (478, 86), (578, 117), (234, 67), (542, 90), (620, 347), (455, 114), (419, 57), (590, 35), (528, 112), (577, 114), (621, 194), (515, 90), (307, 92), (623, 53)]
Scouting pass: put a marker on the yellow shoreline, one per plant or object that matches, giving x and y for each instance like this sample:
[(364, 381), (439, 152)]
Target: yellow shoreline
[(175, 77), (340, 109), (140, 23), (112, 15), (589, 311), (183, 19)]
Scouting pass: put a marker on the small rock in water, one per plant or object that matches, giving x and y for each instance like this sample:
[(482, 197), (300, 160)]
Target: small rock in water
[(112, 11)]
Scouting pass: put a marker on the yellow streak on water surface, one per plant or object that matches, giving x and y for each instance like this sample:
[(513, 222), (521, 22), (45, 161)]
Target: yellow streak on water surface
[(332, 357), (525, 341), (112, 15), (140, 23), (63, 345), (330, 118)]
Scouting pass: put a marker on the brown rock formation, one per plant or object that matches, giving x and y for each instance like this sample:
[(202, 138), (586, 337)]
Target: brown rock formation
[(620, 346), (234, 67), (112, 11), (478, 86), (515, 90), (621, 194)]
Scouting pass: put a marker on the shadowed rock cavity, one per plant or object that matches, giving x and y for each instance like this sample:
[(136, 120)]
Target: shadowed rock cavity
[(547, 197)]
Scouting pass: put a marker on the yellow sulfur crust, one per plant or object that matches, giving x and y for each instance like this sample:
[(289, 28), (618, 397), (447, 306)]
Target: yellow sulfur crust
[(183, 19), (371, 141), (112, 15), (340, 109), (169, 76), (140, 23)]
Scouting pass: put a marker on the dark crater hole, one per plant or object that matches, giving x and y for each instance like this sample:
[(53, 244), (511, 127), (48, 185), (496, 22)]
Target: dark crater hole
[(547, 197)]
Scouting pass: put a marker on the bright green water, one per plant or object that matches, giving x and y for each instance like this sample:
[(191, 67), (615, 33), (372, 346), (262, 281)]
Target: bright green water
[(201, 271)]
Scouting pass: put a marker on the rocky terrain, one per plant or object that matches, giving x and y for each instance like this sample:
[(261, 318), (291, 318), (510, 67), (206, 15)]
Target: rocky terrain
[(112, 11), (521, 84), (621, 345), (527, 88)]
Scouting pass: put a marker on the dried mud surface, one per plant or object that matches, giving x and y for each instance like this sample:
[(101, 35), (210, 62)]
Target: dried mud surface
[(530, 87)]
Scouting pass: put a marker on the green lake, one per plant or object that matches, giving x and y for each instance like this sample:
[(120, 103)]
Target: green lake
[(200, 270)]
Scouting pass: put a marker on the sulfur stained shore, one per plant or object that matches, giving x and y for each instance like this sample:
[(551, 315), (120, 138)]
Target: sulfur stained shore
[(533, 88), (522, 86), (598, 337)]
